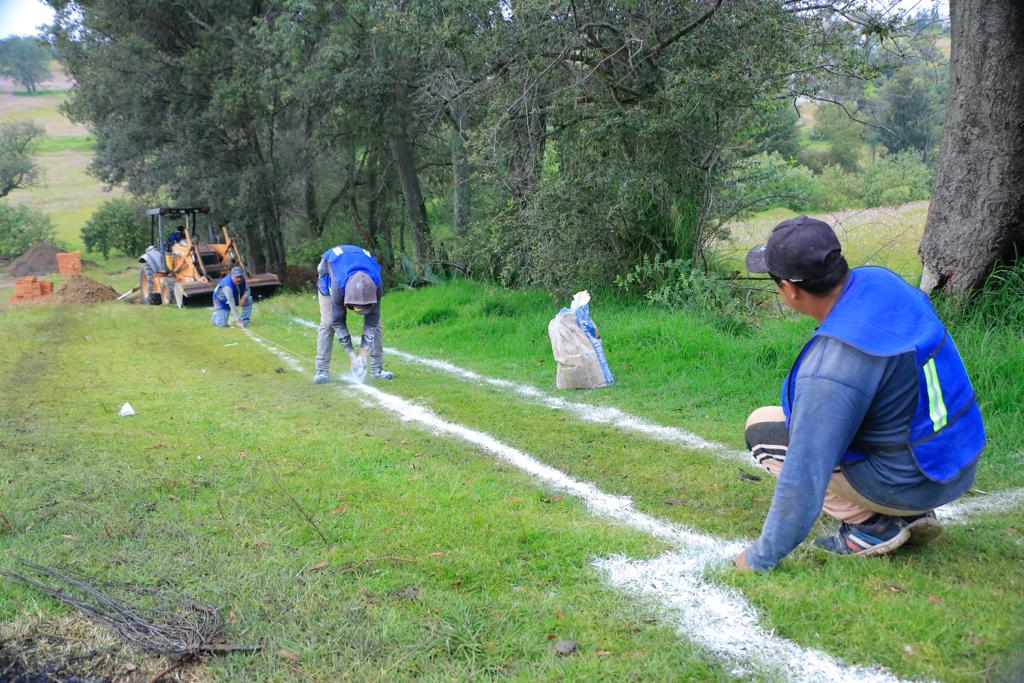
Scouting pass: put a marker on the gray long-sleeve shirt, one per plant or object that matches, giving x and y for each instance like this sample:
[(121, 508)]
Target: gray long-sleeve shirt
[(844, 396), (232, 306)]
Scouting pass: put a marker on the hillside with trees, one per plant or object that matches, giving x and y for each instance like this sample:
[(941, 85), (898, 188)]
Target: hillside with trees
[(555, 146)]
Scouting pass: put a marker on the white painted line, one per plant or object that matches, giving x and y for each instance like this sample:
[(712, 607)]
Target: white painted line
[(954, 512), (722, 621), (584, 411), (1001, 501), (717, 619)]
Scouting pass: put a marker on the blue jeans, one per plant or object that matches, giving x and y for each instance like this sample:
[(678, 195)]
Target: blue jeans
[(220, 316)]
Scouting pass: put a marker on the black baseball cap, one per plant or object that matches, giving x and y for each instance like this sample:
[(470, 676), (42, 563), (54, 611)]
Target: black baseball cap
[(798, 249)]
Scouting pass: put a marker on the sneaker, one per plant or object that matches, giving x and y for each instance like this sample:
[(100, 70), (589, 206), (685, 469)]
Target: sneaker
[(383, 374), (879, 536), (320, 378), (923, 528)]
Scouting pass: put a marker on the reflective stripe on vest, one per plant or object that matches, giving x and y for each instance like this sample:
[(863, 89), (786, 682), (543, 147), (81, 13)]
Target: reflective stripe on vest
[(936, 406)]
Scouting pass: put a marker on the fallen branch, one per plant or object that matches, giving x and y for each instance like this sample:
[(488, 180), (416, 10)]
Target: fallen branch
[(194, 630), (310, 520), (174, 665)]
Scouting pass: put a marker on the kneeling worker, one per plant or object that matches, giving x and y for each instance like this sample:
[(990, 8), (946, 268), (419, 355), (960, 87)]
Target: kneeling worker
[(233, 297), (349, 281), (878, 425)]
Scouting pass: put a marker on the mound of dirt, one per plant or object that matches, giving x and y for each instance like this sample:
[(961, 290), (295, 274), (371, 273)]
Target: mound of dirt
[(299, 279), (79, 289), (40, 259)]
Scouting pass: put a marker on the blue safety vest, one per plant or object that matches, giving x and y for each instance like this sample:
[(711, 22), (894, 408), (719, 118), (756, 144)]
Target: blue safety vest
[(220, 298), (881, 315), (343, 262)]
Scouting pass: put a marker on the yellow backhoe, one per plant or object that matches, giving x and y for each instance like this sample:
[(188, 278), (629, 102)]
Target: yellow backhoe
[(181, 267)]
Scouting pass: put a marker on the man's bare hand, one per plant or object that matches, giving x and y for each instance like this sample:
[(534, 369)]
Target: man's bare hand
[(741, 564)]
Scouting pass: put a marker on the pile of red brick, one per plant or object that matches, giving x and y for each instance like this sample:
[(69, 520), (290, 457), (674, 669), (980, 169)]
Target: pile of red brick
[(69, 263), (30, 288)]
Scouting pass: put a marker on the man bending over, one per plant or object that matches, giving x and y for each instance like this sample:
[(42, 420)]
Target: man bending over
[(349, 281)]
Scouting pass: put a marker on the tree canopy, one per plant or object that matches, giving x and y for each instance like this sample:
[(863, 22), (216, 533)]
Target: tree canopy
[(17, 168), (26, 60), (545, 143)]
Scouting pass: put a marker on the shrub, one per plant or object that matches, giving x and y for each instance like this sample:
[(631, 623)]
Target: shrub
[(896, 179), (562, 239), (21, 227), (767, 180), (838, 188), (119, 224), (679, 284)]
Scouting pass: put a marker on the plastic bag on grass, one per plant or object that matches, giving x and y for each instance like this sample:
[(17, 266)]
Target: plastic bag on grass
[(576, 345)]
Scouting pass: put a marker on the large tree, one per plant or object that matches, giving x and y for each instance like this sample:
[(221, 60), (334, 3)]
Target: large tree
[(17, 168), (183, 106), (26, 60), (976, 217)]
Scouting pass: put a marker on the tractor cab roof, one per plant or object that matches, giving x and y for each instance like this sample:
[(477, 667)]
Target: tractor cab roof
[(169, 211)]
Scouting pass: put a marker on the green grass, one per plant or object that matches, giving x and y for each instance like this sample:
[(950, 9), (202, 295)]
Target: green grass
[(224, 440), (44, 111), (67, 193), (178, 494), (883, 236), (40, 93), (60, 143), (680, 370)]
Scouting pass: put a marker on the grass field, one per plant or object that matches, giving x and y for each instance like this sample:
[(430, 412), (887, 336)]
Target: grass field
[(67, 193), (884, 236), (441, 563), (354, 545)]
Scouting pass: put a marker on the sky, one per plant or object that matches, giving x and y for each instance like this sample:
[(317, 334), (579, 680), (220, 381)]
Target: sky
[(23, 17)]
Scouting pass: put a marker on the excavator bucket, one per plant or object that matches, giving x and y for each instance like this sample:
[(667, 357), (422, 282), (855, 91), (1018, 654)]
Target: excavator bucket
[(198, 292), (263, 284)]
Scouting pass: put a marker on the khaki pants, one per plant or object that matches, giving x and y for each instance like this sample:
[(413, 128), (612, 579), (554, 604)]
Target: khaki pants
[(768, 441)]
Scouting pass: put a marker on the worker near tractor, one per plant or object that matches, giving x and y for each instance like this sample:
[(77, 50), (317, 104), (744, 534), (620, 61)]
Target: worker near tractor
[(878, 424), (177, 236), (350, 280), (232, 298)]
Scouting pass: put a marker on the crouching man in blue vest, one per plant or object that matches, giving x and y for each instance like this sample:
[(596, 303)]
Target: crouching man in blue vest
[(232, 297), (878, 424), (350, 281)]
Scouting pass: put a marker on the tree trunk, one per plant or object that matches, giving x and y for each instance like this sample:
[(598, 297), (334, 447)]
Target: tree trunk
[(313, 218), (976, 218), (377, 218), (402, 153), (460, 174)]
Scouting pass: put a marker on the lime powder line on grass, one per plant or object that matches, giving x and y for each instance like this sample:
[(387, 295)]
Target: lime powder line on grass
[(954, 512), (717, 619), (584, 411)]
